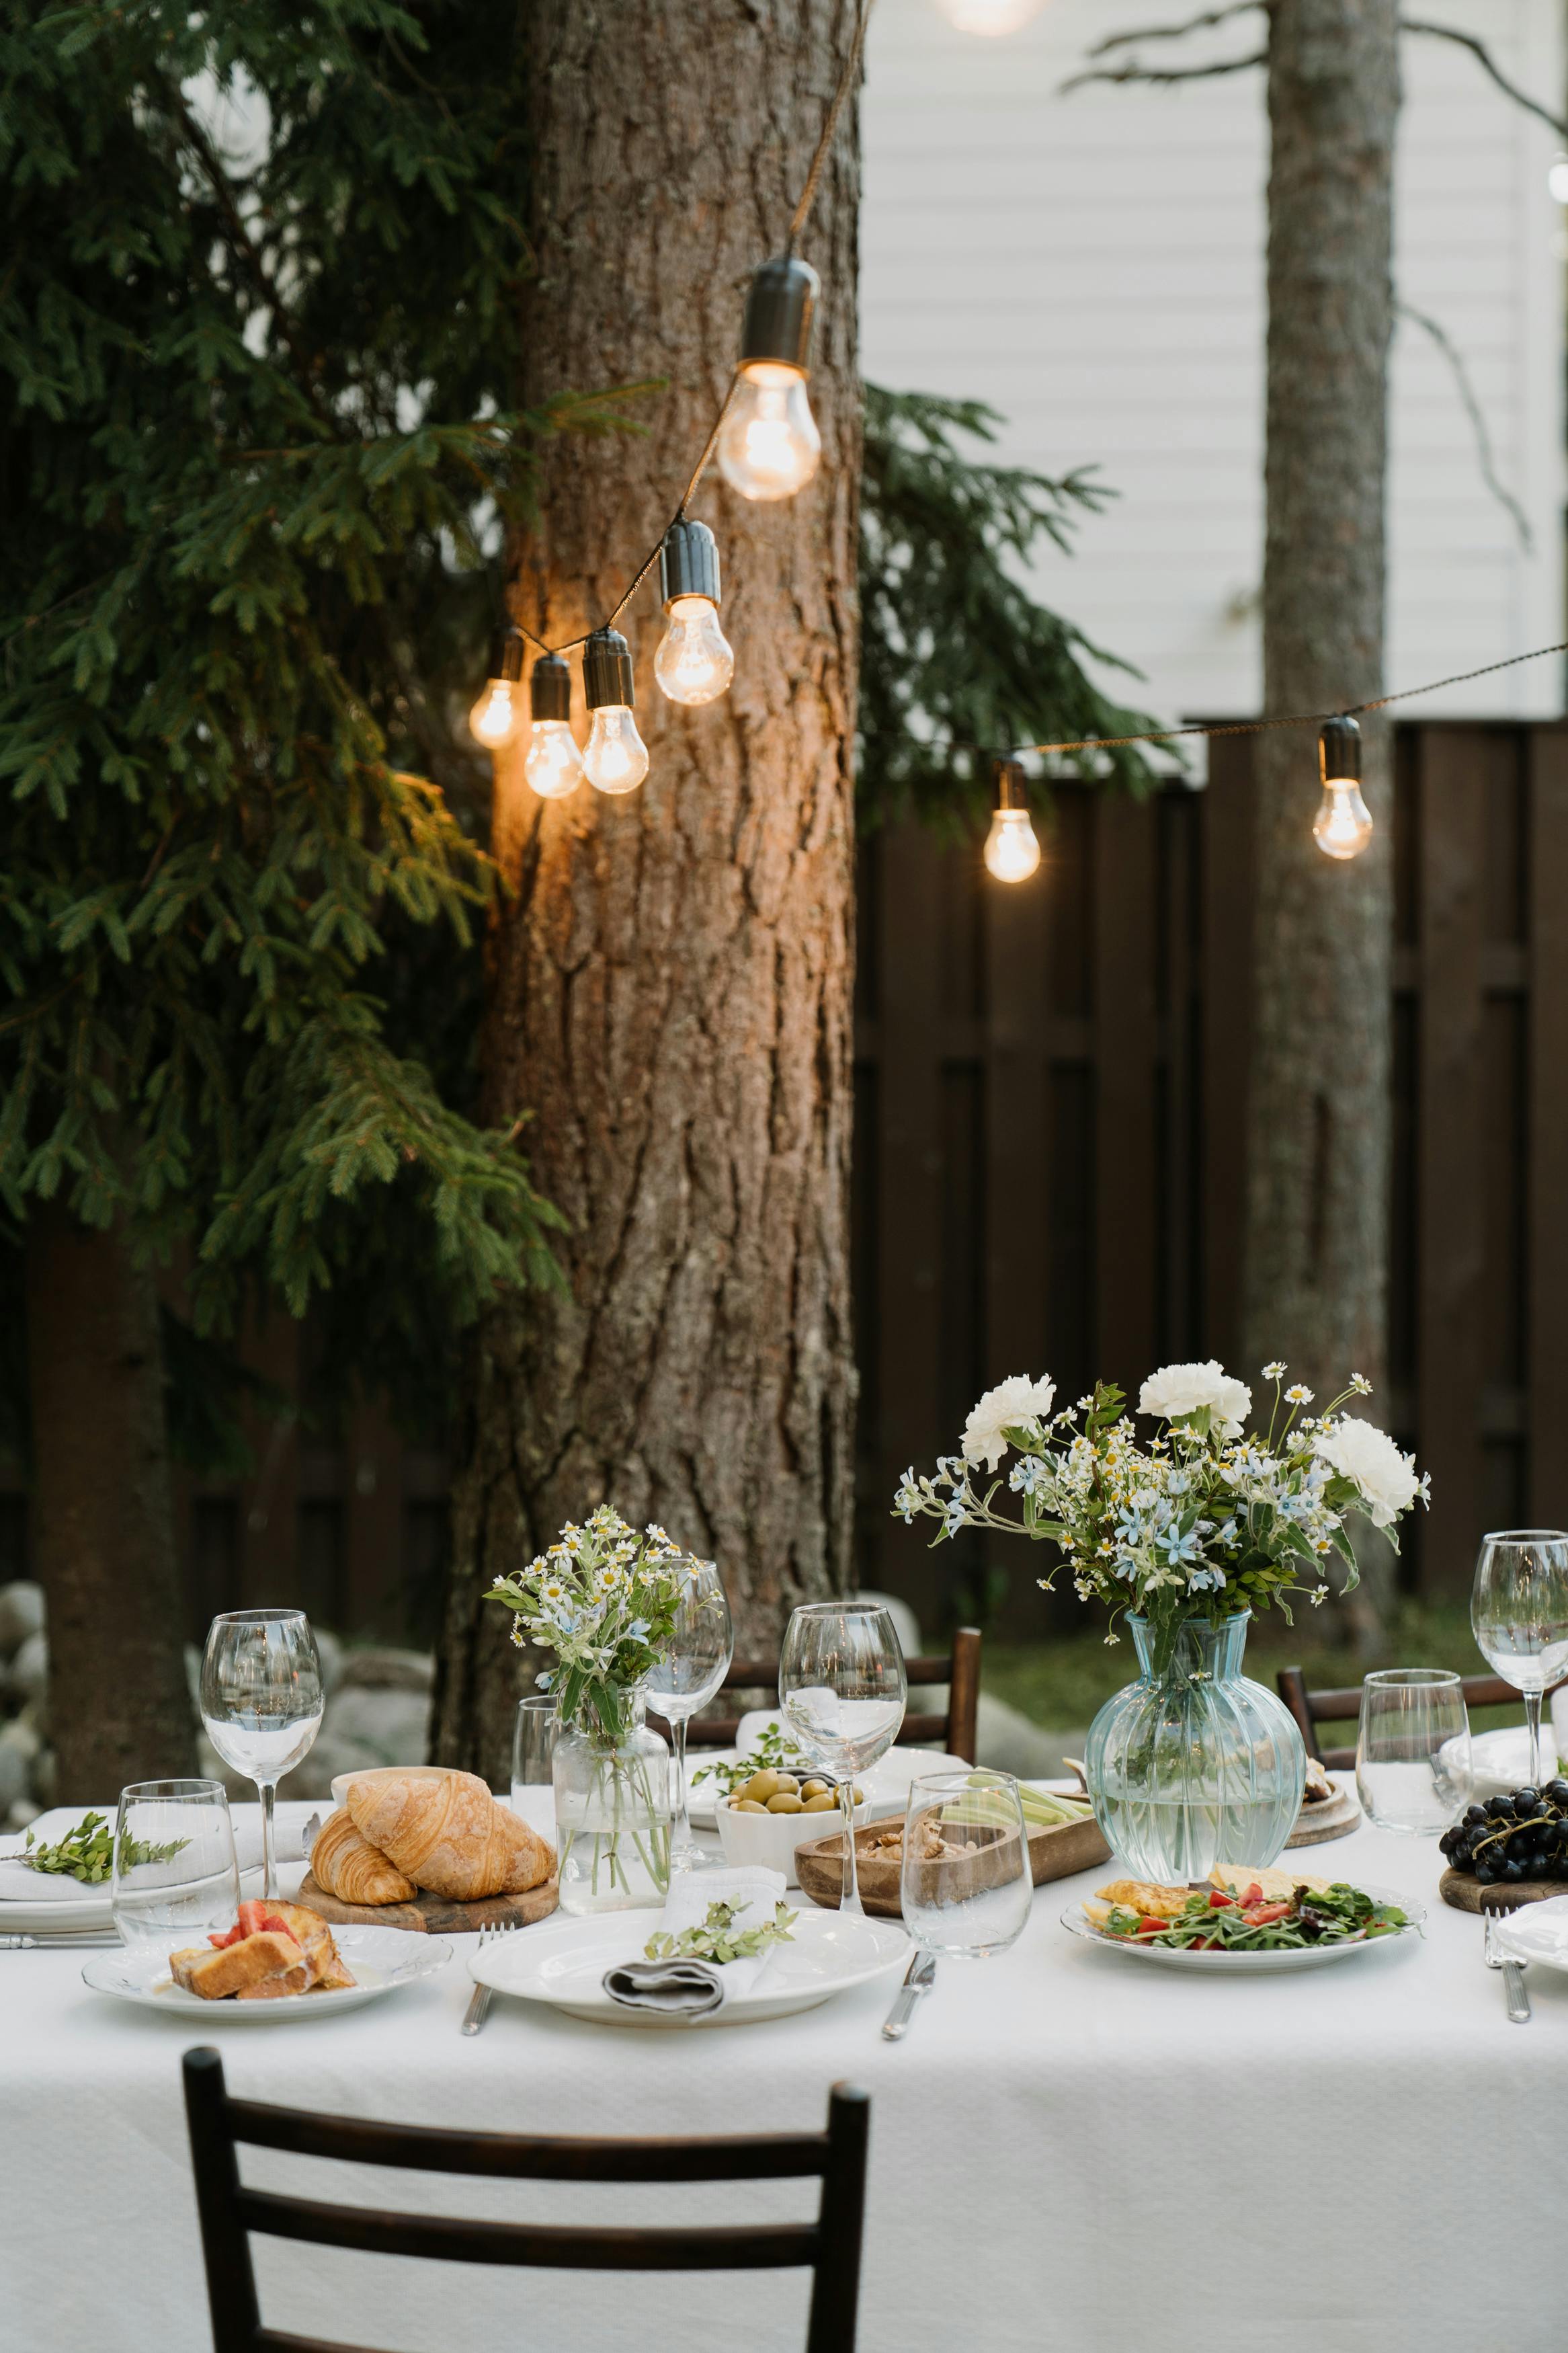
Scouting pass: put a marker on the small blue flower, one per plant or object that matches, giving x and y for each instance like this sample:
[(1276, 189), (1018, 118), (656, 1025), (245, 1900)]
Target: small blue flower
[(543, 1682), (1180, 1548), (1202, 1581)]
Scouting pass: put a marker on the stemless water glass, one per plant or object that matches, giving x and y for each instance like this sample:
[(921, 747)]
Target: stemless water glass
[(533, 1763), (688, 1672), (175, 1873), (1518, 1611), (842, 1689), (261, 1703), (966, 1885), (1413, 1750)]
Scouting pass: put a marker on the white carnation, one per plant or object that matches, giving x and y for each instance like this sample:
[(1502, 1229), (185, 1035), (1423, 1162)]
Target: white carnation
[(1359, 1450), (1004, 1408), (1178, 1390)]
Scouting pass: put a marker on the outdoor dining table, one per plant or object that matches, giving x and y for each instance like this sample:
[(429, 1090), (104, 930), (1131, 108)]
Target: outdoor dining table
[(1073, 2149)]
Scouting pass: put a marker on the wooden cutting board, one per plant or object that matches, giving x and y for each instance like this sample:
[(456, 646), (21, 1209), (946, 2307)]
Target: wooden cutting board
[(1054, 1853), (432, 1915), (1464, 1890), (1336, 1817)]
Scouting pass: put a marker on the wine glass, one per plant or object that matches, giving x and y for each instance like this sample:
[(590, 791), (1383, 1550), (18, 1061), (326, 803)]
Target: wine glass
[(261, 1703), (686, 1675), (1412, 1751), (1518, 1611), (842, 1688), (965, 1885), (175, 1873)]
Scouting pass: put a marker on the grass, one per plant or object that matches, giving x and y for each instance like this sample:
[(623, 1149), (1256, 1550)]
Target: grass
[(1061, 1683)]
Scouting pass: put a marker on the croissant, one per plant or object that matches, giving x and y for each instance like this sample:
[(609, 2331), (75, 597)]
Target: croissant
[(348, 1867), (449, 1835)]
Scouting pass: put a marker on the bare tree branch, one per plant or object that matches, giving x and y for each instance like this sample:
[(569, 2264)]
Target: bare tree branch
[(1467, 392), (1175, 32), (1479, 51), (1162, 77)]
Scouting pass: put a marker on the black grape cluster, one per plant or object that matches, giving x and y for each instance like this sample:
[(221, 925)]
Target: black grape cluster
[(1521, 1836)]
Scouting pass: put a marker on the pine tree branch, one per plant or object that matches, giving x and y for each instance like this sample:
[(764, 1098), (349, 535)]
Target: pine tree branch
[(1472, 406), (1178, 32), (1489, 65), (1162, 77)]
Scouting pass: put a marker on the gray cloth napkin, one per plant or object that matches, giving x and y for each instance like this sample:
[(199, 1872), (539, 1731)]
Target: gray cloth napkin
[(685, 1989)]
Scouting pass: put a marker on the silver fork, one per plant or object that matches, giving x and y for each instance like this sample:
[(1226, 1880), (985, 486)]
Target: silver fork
[(479, 2007), (1512, 1971)]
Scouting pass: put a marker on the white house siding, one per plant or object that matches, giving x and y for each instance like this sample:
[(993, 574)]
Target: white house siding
[(1092, 266)]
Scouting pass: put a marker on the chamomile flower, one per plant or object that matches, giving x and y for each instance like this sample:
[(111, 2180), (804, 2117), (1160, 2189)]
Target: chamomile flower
[(1297, 1394), (1273, 1372)]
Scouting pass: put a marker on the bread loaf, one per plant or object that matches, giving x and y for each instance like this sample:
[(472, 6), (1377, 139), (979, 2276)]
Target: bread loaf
[(350, 1868), (449, 1835)]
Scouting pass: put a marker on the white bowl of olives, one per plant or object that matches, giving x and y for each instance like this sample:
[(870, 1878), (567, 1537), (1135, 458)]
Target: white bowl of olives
[(766, 1819)]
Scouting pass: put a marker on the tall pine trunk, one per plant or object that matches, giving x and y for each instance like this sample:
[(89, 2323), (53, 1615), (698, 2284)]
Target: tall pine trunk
[(103, 1514), (1319, 1111), (671, 972)]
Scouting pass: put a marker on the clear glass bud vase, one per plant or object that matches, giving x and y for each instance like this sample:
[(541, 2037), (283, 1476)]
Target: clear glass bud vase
[(1193, 1764), (613, 1805)]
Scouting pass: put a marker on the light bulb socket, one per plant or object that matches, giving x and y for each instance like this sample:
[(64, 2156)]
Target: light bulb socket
[(781, 304), (550, 688), (1012, 785), (1338, 752), (508, 661), (688, 564), (607, 669)]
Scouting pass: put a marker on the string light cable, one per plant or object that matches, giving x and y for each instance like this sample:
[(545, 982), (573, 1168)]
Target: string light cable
[(767, 444), (1343, 825)]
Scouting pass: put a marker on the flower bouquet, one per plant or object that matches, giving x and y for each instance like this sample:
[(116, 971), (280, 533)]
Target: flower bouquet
[(1183, 1534), (604, 1600)]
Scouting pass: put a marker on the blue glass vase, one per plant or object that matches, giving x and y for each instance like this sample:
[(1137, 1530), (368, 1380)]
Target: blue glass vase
[(1193, 1764)]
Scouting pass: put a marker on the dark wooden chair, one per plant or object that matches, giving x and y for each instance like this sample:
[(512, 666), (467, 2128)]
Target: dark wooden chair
[(1311, 1709), (830, 2246), (956, 1730)]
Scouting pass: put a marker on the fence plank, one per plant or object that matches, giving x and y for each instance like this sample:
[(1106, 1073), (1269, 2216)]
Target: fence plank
[(1546, 1310), (1450, 1146), (1126, 946), (1229, 834)]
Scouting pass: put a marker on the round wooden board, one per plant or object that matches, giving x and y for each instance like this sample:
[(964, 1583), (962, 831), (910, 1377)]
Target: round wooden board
[(433, 1916), (1335, 1818), (1464, 1890)]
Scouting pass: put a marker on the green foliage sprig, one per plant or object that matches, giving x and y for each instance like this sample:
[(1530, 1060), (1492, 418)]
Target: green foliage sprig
[(87, 1853), (718, 1939)]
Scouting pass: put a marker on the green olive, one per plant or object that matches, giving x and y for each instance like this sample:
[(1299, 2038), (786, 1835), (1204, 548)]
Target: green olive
[(762, 1785), (824, 1802), (784, 1801), (746, 1806), (788, 1781), (815, 1789)]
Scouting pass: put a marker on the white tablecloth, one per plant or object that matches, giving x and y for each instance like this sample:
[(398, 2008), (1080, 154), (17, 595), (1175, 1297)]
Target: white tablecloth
[(1071, 2153)]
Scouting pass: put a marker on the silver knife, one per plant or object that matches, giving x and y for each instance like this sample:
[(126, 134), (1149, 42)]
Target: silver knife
[(918, 1979), (65, 1943)]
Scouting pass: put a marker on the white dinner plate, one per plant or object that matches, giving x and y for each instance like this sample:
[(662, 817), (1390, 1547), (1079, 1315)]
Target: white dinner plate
[(1310, 1956), (561, 1963), (1500, 1760), (40, 1904), (381, 1958), (887, 1784)]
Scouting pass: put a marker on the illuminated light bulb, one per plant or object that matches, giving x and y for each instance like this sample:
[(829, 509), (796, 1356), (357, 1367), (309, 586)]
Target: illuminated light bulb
[(616, 758), (554, 765), (989, 17), (1012, 849), (695, 661), (769, 447), (1343, 826)]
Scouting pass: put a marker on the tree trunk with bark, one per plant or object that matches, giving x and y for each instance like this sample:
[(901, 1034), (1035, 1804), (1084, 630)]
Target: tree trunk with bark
[(1319, 1112), (120, 1710), (671, 971)]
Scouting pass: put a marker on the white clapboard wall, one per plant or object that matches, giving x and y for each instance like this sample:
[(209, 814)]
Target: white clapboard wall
[(1092, 266)]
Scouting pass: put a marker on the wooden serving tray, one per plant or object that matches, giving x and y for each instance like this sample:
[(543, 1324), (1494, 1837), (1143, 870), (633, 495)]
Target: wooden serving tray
[(1054, 1853), (1464, 1890), (1332, 1818), (432, 1915)]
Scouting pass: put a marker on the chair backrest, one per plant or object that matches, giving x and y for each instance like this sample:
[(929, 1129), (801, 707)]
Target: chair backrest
[(956, 1730), (1311, 1709), (830, 2246)]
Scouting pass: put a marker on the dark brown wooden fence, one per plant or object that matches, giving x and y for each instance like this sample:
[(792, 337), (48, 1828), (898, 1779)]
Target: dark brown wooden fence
[(1054, 1107), (1049, 1173)]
